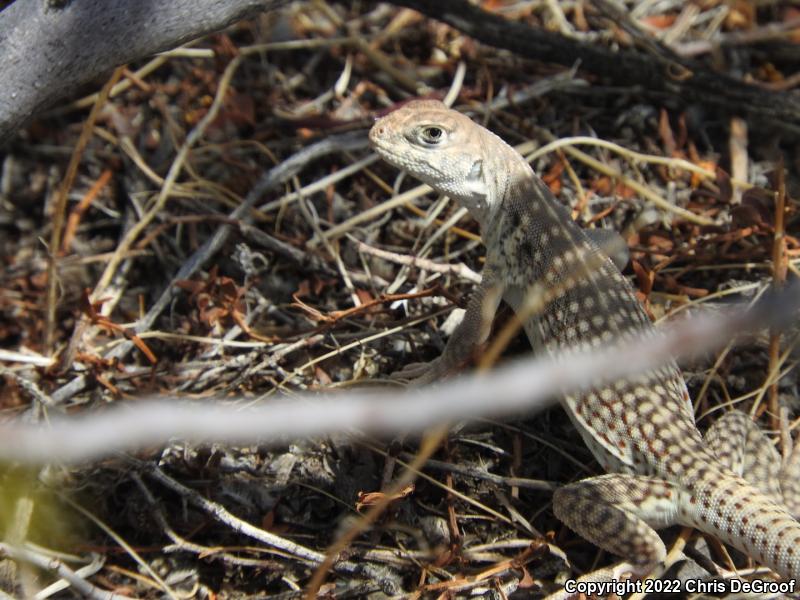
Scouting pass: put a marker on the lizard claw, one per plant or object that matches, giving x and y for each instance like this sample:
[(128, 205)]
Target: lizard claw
[(421, 373), (410, 372)]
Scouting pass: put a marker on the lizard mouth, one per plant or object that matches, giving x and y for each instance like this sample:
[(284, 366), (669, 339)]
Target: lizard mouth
[(375, 135), (380, 145)]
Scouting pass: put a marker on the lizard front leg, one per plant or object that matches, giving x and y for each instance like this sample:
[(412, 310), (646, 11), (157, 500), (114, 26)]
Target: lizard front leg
[(468, 336), (618, 512)]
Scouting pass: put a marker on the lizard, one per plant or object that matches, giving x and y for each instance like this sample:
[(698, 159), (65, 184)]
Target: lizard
[(641, 429)]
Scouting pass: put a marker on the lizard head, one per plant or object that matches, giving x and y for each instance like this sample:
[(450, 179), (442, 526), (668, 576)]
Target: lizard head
[(440, 147)]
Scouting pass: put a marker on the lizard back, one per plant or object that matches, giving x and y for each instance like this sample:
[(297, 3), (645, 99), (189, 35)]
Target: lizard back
[(630, 424)]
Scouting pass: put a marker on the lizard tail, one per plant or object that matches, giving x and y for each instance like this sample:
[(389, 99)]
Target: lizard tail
[(728, 507)]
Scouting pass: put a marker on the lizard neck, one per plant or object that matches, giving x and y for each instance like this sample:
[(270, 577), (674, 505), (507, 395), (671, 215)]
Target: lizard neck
[(526, 222), (505, 179)]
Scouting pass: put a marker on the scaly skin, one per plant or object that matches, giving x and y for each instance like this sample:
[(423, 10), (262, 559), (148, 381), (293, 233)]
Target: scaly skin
[(640, 429)]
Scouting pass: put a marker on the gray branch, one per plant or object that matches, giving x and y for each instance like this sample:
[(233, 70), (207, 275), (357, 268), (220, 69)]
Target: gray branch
[(49, 52)]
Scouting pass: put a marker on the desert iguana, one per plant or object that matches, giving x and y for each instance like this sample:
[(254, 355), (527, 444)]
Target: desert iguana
[(640, 429)]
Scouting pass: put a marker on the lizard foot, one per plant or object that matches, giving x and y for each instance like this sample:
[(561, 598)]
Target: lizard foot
[(422, 373)]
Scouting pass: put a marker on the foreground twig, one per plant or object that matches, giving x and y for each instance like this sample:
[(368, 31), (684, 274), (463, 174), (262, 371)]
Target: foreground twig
[(61, 205), (59, 569), (507, 390)]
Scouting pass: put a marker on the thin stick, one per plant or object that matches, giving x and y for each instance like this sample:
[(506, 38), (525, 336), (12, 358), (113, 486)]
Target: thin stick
[(60, 205), (778, 280), (430, 443), (643, 190), (218, 512), (120, 87), (460, 269), (58, 568), (123, 544), (75, 216), (636, 157)]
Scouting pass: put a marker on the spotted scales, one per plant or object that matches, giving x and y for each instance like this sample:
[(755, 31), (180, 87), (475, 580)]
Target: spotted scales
[(641, 429)]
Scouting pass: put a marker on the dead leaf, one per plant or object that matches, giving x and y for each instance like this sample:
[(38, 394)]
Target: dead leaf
[(741, 15), (659, 21), (366, 499), (665, 132), (322, 376), (644, 277), (723, 181), (527, 581), (757, 208), (553, 177)]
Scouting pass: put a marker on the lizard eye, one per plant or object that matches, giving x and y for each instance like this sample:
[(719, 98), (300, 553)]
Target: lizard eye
[(432, 135)]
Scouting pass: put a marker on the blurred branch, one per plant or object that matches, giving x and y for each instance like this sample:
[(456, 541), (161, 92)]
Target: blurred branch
[(522, 385), (671, 77), (49, 51)]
